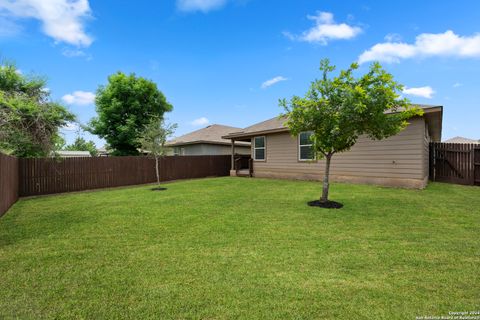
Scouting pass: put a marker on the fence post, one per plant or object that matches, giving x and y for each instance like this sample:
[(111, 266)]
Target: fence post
[(432, 161)]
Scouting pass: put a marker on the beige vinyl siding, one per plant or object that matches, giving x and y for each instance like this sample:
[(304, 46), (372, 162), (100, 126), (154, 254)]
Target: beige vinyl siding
[(426, 153), (398, 160)]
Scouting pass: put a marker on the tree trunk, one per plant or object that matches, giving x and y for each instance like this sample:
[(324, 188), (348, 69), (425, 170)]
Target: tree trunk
[(156, 170), (326, 184)]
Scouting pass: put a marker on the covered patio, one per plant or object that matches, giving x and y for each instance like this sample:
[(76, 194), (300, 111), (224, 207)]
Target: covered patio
[(241, 164)]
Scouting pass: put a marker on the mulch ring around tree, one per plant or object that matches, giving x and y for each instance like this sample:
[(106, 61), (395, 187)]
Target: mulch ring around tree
[(327, 204), (158, 189)]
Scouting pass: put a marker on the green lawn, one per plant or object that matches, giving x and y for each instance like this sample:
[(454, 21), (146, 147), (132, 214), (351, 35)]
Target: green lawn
[(239, 248)]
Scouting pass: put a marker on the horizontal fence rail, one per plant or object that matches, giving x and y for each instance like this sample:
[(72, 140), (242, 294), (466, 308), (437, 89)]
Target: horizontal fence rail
[(8, 182), (455, 163), (40, 176)]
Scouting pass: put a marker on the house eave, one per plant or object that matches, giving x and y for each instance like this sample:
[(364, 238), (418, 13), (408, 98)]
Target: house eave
[(179, 144), (255, 133), (428, 114)]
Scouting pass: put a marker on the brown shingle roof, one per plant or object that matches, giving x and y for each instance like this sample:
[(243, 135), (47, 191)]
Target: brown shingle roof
[(211, 134), (277, 125), (461, 140)]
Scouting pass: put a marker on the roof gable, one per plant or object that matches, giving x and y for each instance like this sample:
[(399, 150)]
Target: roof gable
[(211, 134)]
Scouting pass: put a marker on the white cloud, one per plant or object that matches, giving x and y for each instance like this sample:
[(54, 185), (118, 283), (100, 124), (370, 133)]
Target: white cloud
[(325, 29), (80, 98), (393, 37), (202, 121), (73, 53), (289, 35), (457, 84), (63, 20), (200, 5), (424, 92), (71, 126), (447, 44), (8, 28), (272, 81)]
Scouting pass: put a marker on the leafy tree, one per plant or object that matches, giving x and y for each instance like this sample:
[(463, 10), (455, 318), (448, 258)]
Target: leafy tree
[(29, 120), (153, 138), (80, 144), (59, 143), (124, 107), (337, 110)]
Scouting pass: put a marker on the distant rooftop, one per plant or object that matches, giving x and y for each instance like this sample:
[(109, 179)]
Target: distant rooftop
[(461, 140), (211, 134), (73, 154)]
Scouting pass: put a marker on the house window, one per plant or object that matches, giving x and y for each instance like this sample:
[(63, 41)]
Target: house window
[(305, 150), (259, 148), (177, 151)]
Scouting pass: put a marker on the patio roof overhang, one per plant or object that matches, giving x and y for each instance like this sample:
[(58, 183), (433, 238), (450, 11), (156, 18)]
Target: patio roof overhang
[(245, 136)]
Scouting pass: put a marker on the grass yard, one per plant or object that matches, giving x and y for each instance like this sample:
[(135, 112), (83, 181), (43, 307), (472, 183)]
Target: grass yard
[(238, 248)]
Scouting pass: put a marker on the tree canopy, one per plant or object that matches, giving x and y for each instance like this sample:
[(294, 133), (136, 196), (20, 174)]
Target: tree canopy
[(80, 144), (124, 106), (29, 120), (337, 110)]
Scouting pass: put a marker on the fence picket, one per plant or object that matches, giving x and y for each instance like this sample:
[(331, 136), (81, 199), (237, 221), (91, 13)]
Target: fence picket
[(453, 162), (9, 175)]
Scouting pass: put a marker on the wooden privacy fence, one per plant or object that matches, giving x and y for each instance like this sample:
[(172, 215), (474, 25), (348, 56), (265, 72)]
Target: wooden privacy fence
[(8, 182), (455, 163), (476, 159), (46, 175)]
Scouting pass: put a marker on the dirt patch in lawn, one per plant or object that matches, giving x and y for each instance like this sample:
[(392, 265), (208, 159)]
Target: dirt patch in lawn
[(158, 189), (326, 204)]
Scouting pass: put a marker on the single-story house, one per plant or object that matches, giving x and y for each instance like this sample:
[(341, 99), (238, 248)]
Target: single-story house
[(72, 154), (208, 141), (461, 140), (401, 160), (103, 152)]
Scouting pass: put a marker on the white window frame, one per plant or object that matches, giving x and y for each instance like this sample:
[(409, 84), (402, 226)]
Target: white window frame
[(264, 148), (304, 145)]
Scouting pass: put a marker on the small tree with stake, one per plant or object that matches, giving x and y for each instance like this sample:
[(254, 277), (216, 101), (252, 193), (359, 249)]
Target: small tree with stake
[(153, 139), (337, 110)]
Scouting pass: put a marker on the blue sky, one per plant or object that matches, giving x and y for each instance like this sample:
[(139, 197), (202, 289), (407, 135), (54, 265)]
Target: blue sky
[(228, 62)]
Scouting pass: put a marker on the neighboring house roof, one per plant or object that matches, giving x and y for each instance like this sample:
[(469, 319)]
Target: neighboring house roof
[(103, 150), (208, 135), (277, 124), (73, 154), (461, 140)]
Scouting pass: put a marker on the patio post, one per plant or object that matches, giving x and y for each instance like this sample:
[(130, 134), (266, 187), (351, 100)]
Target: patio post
[(233, 155), (232, 167)]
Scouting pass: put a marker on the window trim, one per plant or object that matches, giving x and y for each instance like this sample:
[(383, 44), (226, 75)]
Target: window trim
[(304, 145), (264, 148)]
